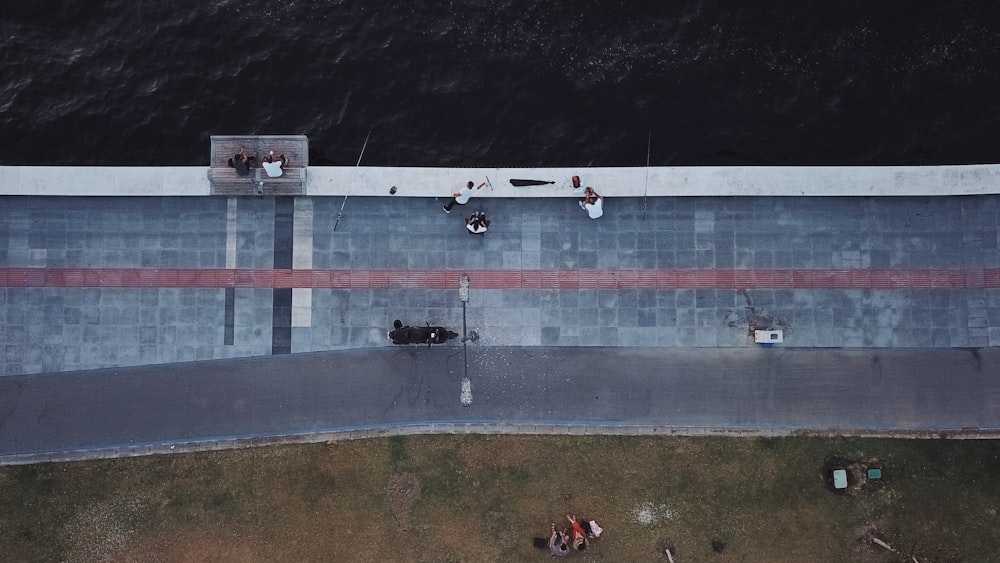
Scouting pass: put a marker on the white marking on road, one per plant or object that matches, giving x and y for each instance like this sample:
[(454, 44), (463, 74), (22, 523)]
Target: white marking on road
[(302, 259), (231, 234), (302, 234), (301, 306), (466, 396)]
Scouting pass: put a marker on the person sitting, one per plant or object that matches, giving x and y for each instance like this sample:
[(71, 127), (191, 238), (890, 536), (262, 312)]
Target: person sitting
[(477, 224), (557, 543), (273, 166), (579, 535), (593, 203), (242, 162)]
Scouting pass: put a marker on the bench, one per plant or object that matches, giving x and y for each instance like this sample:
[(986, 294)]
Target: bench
[(226, 182)]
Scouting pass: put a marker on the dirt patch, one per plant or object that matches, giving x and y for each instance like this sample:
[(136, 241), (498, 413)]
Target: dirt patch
[(649, 514), (865, 546), (402, 491), (758, 320), (874, 543), (192, 546), (856, 475), (665, 545)]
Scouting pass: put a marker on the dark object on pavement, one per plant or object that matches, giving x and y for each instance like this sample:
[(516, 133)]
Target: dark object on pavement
[(515, 182), (419, 334)]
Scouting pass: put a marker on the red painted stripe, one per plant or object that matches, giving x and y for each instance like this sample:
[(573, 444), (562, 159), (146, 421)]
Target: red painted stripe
[(975, 278), (531, 279), (743, 279), (504, 279)]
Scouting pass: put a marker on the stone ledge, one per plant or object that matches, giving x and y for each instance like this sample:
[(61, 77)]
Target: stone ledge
[(708, 181)]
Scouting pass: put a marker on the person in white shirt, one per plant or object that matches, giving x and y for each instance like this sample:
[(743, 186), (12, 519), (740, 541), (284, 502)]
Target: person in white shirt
[(592, 203), (462, 196), (273, 166), (477, 224)]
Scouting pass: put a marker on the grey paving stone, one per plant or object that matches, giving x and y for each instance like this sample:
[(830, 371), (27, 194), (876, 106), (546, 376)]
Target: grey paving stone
[(607, 316), (715, 232), (706, 317), (588, 316), (738, 337), (647, 318), (666, 317), (978, 337), (550, 336), (628, 317), (166, 336)]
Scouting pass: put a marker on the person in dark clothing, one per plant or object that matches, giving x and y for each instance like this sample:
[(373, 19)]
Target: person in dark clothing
[(477, 224), (242, 162)]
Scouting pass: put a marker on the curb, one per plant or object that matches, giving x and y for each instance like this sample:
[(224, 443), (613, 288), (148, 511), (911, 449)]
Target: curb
[(442, 428)]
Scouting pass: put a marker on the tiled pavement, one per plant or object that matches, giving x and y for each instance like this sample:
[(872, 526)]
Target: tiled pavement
[(929, 271)]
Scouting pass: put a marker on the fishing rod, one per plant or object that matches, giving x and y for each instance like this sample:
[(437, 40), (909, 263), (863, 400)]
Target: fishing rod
[(341, 212), (646, 190)]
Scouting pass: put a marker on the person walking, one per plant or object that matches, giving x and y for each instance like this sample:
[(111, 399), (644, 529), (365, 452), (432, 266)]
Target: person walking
[(462, 196)]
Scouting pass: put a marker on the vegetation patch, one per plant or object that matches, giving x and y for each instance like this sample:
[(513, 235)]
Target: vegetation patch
[(485, 498)]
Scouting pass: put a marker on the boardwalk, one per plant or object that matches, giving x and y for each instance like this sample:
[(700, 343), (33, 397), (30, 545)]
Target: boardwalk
[(106, 282), (888, 308)]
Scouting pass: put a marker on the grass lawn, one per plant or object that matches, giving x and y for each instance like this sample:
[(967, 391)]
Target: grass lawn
[(483, 498)]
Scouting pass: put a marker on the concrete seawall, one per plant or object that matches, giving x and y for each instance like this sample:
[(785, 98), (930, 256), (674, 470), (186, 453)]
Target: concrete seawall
[(609, 181)]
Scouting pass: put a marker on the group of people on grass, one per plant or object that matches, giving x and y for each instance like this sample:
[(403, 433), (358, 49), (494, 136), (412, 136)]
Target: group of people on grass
[(243, 161), (576, 538), (477, 223)]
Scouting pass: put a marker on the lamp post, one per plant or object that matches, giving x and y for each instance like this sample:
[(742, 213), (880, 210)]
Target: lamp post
[(463, 296)]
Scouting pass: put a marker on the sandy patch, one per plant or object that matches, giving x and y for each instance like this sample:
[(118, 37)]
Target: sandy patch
[(402, 491)]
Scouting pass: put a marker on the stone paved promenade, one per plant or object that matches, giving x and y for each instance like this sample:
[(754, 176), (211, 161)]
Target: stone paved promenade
[(105, 282)]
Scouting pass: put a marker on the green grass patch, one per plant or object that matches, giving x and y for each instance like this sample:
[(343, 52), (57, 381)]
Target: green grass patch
[(483, 498)]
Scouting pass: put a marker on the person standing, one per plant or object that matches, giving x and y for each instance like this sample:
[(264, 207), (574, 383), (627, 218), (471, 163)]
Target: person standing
[(462, 196), (592, 203)]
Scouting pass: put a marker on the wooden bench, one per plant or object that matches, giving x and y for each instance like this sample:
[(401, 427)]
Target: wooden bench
[(225, 181)]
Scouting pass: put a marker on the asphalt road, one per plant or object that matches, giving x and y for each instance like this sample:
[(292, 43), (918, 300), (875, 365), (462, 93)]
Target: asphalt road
[(776, 391)]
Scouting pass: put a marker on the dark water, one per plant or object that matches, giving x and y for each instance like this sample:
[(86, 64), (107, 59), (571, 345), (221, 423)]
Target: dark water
[(506, 83)]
